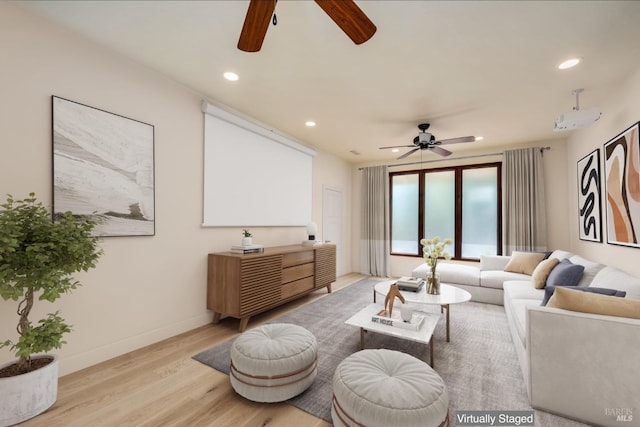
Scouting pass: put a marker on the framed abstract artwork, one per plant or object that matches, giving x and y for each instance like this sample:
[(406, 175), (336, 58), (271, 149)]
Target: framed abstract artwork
[(103, 165), (589, 197), (622, 183)]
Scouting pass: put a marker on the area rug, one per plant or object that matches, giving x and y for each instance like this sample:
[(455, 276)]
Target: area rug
[(479, 365)]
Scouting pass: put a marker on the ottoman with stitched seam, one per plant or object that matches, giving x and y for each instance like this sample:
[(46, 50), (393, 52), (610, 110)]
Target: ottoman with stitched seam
[(388, 388), (273, 362)]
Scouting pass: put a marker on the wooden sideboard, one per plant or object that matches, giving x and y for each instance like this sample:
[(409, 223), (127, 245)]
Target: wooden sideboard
[(241, 286)]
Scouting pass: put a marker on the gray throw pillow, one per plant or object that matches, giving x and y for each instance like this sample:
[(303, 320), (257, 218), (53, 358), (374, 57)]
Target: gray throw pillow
[(548, 291), (565, 274)]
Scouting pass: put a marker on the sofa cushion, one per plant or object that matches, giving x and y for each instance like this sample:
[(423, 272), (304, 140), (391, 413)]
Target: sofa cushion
[(611, 277), (493, 262), (565, 274), (560, 254), (549, 290), (541, 272), (524, 262), (590, 269), (518, 309), (453, 273), (495, 279), (522, 289), (585, 302)]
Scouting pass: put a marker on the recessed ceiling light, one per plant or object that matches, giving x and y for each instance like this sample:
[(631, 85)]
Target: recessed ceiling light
[(479, 138), (231, 76), (569, 63), (310, 123)]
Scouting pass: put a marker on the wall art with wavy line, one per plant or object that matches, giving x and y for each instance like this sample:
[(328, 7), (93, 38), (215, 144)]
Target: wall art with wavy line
[(589, 198), (622, 181)]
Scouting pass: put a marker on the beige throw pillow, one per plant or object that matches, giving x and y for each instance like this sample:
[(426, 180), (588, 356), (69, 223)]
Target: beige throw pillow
[(586, 302), (541, 272), (523, 262)]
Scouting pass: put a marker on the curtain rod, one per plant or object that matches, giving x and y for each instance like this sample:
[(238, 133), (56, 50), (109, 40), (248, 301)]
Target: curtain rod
[(542, 149)]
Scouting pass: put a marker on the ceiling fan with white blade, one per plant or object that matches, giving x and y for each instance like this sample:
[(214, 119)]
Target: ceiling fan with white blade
[(426, 141), (345, 13)]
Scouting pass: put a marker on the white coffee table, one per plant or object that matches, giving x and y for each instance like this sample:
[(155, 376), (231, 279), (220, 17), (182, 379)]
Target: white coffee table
[(424, 335), (449, 294)]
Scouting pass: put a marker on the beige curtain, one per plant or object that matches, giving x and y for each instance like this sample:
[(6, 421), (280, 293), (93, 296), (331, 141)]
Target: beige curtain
[(523, 214), (374, 240)]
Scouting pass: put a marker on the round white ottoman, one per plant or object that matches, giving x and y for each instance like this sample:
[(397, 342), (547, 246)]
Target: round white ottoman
[(388, 388), (273, 362)]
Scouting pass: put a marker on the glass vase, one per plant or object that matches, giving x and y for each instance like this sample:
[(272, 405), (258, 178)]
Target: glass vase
[(433, 284)]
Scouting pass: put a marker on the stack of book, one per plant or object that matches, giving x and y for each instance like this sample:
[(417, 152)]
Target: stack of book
[(249, 249), (383, 318), (413, 284)]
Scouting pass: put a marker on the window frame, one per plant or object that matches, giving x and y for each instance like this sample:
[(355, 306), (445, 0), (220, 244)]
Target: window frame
[(457, 239)]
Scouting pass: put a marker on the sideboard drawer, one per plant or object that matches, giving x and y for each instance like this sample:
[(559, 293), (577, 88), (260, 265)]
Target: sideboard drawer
[(296, 258), (297, 272), (294, 288)]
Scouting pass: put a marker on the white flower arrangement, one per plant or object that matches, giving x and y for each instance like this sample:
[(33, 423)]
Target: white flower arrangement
[(433, 250)]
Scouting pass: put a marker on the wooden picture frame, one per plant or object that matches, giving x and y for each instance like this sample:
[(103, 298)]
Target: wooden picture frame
[(622, 183), (103, 165), (589, 198)]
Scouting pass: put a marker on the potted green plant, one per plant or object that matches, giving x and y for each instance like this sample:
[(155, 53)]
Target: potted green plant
[(246, 238), (38, 257)]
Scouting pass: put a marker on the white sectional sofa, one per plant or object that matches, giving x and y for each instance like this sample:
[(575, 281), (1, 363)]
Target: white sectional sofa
[(575, 364), (483, 282)]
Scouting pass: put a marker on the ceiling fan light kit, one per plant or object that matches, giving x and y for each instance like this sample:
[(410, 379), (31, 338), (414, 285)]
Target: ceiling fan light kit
[(427, 141), (345, 13), (577, 118)]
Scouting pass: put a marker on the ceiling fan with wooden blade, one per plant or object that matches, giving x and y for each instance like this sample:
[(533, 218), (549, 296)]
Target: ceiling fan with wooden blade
[(426, 141), (345, 13)]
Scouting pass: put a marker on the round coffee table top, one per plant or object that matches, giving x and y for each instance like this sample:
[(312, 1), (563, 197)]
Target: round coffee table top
[(449, 294)]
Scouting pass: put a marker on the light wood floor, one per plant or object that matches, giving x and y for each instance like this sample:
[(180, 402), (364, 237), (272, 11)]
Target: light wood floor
[(161, 385)]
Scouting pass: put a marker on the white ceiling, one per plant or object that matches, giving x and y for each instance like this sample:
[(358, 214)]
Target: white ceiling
[(469, 68)]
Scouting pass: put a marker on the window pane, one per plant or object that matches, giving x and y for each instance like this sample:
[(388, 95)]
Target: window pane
[(440, 206), (404, 214), (479, 212)]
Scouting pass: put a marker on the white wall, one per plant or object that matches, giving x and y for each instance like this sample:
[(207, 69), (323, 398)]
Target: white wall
[(620, 111), (145, 288), (556, 189)]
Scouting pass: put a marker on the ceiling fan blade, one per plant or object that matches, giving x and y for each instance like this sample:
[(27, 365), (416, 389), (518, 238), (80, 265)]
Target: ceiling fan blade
[(256, 23), (397, 146), (408, 153), (457, 140), (440, 151), (350, 18)]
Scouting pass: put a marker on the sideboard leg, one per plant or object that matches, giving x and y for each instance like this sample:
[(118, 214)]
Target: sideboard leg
[(329, 288), (216, 317), (243, 323)]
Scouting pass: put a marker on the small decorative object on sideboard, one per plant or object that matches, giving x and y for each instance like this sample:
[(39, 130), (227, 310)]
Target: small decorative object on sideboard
[(432, 250), (251, 249), (312, 230), (246, 238)]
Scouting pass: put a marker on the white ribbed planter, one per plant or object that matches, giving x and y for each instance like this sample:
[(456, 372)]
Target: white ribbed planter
[(28, 395)]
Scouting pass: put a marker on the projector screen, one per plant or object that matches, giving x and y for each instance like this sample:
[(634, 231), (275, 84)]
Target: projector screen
[(252, 175)]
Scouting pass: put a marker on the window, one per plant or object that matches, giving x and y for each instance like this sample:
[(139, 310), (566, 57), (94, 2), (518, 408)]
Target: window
[(462, 203)]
